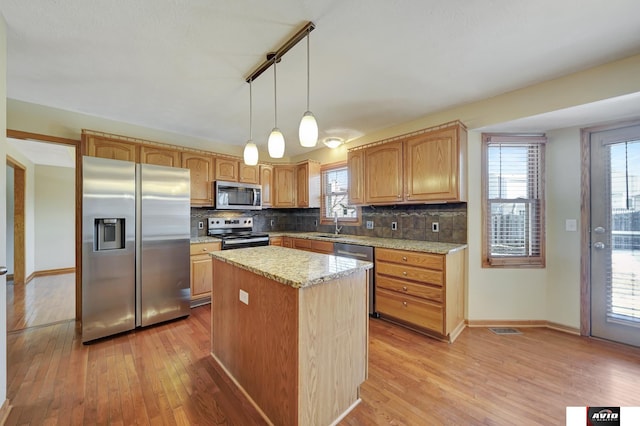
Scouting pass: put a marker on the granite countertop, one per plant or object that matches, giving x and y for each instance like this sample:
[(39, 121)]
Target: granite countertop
[(205, 239), (296, 268), (391, 243)]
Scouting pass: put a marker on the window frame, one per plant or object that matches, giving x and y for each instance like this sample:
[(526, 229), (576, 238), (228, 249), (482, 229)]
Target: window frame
[(515, 261), (324, 220)]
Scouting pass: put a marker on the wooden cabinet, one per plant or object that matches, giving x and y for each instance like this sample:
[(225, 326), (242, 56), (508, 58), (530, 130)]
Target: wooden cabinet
[(201, 167), (287, 242), (355, 168), (383, 173), (428, 167), (202, 271), (266, 180), (248, 174), (226, 169), (434, 166), (422, 291), (308, 184), (275, 241), (284, 186), (159, 156), (111, 148), (315, 246)]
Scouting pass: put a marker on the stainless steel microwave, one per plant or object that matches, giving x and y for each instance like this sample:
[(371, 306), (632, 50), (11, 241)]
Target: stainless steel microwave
[(237, 196)]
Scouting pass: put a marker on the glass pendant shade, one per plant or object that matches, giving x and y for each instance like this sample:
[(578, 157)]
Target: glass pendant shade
[(275, 145), (308, 131), (250, 154)]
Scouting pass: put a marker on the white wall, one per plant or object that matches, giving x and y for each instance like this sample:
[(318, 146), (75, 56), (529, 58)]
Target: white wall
[(10, 208), (3, 225), (54, 217)]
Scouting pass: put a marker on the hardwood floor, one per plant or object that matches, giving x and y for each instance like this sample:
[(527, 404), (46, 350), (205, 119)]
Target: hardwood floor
[(164, 375), (44, 300)]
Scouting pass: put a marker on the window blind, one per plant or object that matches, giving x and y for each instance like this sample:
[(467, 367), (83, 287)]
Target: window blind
[(514, 199)]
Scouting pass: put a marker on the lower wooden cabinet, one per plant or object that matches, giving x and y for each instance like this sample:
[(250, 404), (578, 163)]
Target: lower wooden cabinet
[(202, 271), (325, 247), (275, 241), (422, 291)]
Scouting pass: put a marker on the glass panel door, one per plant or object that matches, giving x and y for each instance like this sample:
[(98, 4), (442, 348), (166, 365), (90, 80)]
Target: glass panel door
[(615, 235)]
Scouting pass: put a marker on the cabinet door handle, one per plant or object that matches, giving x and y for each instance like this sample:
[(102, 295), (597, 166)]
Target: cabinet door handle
[(404, 273), (404, 288), (204, 249), (404, 258), (405, 304)]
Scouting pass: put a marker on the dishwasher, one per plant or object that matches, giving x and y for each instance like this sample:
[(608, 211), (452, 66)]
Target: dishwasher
[(354, 251)]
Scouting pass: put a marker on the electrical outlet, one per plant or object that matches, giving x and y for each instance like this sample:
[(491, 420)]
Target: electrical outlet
[(369, 224), (435, 227), (200, 225), (244, 297), (394, 226)]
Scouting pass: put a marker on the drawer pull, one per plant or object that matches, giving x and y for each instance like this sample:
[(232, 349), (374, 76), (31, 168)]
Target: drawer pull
[(404, 258), (405, 304), (404, 288), (404, 273), (204, 249)]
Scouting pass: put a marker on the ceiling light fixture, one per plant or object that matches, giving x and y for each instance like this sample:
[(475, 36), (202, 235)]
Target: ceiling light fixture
[(308, 131), (333, 142), (276, 138), (276, 143), (250, 149)]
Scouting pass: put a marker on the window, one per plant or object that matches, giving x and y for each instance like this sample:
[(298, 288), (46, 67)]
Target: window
[(513, 201), (335, 196)]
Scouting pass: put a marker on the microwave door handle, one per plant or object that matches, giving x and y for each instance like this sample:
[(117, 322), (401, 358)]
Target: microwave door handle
[(255, 196)]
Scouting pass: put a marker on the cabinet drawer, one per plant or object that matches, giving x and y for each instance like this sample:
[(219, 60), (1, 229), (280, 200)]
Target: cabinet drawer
[(322, 246), (302, 244), (412, 289), (424, 260), (201, 248), (406, 272), (411, 310)]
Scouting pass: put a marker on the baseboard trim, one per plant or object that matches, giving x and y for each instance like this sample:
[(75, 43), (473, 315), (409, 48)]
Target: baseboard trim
[(48, 272), (523, 324), (9, 277), (4, 411), (30, 278)]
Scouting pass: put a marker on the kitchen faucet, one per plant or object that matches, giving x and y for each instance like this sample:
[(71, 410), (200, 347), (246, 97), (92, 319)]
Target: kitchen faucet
[(338, 228)]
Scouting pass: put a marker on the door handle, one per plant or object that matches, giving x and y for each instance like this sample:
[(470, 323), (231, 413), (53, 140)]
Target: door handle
[(599, 245), (3, 270)]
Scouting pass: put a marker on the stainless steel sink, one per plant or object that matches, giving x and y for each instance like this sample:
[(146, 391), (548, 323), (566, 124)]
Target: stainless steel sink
[(332, 236)]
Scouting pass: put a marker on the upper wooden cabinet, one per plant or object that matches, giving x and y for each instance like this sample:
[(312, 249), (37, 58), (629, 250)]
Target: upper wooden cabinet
[(434, 166), (383, 173), (110, 148), (159, 156), (428, 167), (248, 174), (284, 186), (266, 180), (308, 184), (201, 167), (355, 167), (226, 169)]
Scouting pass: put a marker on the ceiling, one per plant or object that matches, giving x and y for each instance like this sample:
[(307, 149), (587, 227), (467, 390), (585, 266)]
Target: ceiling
[(180, 66)]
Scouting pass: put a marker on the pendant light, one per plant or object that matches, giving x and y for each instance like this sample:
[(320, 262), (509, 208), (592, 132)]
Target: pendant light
[(308, 131), (250, 149), (276, 139)]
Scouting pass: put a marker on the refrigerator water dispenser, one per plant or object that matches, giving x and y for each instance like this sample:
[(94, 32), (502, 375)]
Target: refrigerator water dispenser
[(109, 234)]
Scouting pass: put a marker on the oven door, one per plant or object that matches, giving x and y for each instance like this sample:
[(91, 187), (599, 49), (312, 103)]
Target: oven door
[(236, 243)]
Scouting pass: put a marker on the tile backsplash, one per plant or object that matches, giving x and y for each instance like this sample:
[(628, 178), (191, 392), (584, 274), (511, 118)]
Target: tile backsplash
[(414, 222)]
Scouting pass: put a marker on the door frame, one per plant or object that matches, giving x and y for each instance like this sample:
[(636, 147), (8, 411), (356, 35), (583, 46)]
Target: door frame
[(18, 134), (19, 191), (585, 219)]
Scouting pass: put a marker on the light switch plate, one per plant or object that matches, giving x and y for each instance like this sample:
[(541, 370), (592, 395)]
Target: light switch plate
[(369, 224), (244, 297), (571, 225)]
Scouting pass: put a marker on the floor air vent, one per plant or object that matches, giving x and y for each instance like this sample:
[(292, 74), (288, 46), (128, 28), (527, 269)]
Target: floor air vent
[(505, 330)]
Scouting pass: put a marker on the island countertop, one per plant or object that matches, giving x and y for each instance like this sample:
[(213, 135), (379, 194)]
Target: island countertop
[(295, 268)]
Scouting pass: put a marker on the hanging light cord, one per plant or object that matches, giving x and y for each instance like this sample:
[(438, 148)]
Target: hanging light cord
[(250, 110), (308, 72), (275, 92)]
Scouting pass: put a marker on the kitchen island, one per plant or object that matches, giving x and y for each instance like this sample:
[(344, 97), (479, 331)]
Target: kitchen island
[(290, 328)]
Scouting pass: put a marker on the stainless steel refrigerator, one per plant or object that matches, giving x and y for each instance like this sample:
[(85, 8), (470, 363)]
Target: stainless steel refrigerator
[(135, 246)]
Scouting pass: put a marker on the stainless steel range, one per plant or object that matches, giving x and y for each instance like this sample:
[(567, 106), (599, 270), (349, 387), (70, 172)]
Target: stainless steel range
[(236, 232)]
